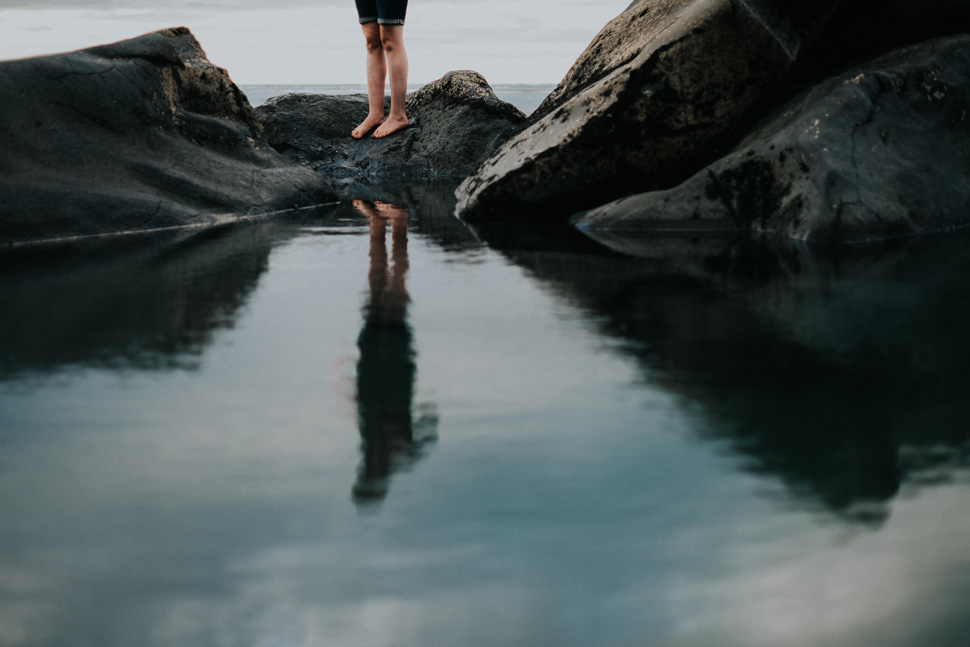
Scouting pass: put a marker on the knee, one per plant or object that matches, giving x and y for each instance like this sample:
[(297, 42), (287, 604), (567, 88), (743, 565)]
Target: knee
[(373, 44), (391, 43)]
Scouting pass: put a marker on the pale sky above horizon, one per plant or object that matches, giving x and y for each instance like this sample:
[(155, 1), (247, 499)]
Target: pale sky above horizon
[(319, 41)]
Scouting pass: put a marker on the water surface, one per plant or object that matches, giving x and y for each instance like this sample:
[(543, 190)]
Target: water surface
[(385, 428)]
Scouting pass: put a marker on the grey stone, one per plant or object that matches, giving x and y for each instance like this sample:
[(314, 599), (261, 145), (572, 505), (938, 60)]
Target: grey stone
[(627, 35), (456, 123), (877, 152), (645, 105), (139, 135)]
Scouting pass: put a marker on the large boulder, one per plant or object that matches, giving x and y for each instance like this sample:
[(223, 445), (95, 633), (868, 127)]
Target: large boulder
[(456, 123), (626, 36), (137, 135), (657, 90), (880, 151)]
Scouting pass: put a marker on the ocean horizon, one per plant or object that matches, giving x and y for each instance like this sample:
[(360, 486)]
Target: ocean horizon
[(525, 97)]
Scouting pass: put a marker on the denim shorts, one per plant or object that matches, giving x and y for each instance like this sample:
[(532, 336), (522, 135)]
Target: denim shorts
[(385, 12)]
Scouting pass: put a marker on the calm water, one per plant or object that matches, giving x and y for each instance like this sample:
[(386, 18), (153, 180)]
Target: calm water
[(390, 430)]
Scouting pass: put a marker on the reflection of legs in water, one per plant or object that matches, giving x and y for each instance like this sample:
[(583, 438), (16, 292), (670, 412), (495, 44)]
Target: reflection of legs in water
[(386, 368), (387, 283)]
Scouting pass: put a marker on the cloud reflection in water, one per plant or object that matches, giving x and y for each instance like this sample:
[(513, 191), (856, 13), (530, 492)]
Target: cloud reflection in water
[(639, 451)]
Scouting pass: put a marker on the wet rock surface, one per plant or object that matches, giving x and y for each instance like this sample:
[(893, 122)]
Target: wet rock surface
[(656, 92), (147, 134), (875, 153), (627, 35), (456, 123), (667, 88), (139, 135)]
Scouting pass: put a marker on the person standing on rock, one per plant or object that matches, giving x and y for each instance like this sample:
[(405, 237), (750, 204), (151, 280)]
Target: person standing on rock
[(383, 24)]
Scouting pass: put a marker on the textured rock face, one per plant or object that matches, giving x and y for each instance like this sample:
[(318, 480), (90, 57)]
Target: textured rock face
[(877, 152), (138, 135), (654, 93), (456, 123), (627, 35)]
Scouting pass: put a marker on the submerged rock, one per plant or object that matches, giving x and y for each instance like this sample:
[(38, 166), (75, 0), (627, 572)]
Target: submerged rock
[(652, 96), (456, 123), (877, 152), (137, 135)]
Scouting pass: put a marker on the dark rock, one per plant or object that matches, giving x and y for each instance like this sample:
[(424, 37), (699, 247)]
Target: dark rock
[(860, 30), (646, 104), (139, 135), (874, 153), (456, 123), (627, 35)]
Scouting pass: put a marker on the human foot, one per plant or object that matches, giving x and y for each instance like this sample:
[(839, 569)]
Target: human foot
[(391, 211), (391, 126), (367, 125), (365, 208)]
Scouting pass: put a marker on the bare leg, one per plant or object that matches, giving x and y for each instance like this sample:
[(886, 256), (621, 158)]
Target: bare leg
[(376, 73), (392, 39)]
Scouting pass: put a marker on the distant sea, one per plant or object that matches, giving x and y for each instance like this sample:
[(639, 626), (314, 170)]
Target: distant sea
[(525, 97)]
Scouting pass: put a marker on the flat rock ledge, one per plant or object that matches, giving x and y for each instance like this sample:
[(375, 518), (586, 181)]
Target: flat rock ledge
[(143, 134), (878, 152), (456, 123)]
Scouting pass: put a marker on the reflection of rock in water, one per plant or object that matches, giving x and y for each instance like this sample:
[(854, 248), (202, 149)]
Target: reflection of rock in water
[(431, 206), (386, 370), (149, 302), (841, 375)]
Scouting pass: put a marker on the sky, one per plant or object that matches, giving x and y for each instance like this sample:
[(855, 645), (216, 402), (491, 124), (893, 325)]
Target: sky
[(319, 41)]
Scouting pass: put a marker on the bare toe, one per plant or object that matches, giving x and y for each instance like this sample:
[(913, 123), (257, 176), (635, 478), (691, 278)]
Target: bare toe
[(367, 125), (391, 126)]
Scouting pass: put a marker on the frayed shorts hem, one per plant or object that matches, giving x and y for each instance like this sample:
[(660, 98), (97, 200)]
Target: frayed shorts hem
[(382, 21)]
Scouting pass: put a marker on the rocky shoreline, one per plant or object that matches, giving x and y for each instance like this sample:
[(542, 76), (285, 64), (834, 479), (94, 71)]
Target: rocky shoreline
[(875, 153), (144, 134), (740, 116), (456, 123), (833, 122)]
